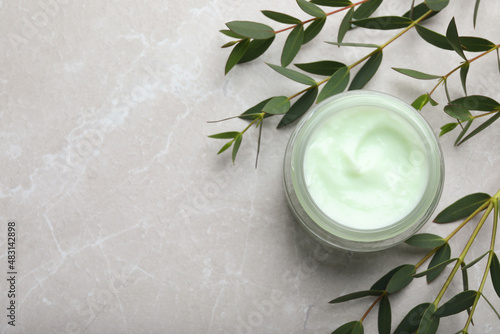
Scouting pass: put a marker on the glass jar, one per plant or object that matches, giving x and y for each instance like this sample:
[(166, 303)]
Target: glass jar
[(326, 213)]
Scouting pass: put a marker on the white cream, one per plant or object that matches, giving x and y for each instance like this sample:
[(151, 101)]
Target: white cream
[(365, 167)]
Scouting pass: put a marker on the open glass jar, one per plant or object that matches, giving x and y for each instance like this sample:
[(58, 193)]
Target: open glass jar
[(363, 171)]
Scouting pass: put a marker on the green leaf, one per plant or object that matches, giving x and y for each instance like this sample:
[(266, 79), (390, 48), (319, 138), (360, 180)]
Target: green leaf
[(236, 147), (349, 328), (452, 37), (463, 132), (225, 135), (459, 112), (225, 147), (401, 278), (292, 45), (278, 105), (250, 113), (384, 316), (477, 102), (433, 103), (345, 25), (495, 274), (362, 45), (313, 29), (410, 322), (418, 11), (358, 328), (447, 128), (251, 29), (366, 9), (498, 59), (481, 127), (464, 69), (476, 44), (416, 74), (281, 18), (299, 107), (457, 304), (476, 9), (470, 264), (324, 67), (429, 323), (442, 255), (356, 295), (336, 84), (256, 48), (228, 44), (433, 38), (462, 208), (420, 101), (436, 5), (294, 75), (381, 284), (332, 3), (425, 240), (436, 269), (231, 34), (383, 22), (311, 8), (366, 72), (236, 54)]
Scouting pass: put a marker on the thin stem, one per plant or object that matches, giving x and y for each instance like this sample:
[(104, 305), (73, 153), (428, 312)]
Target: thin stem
[(371, 307), (486, 114), (463, 254), (327, 14)]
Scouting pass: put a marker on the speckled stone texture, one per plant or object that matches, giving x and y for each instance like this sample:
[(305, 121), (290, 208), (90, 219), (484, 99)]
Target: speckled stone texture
[(126, 219)]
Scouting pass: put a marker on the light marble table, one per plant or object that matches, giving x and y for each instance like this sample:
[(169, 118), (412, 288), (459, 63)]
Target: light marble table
[(128, 222)]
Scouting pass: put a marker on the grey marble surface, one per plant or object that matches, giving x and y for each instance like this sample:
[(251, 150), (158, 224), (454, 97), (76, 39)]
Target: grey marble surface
[(127, 220)]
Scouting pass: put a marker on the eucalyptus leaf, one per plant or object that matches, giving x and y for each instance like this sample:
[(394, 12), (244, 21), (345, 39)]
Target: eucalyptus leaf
[(477, 102), (463, 132), (436, 269), (436, 5), (381, 284), (384, 316), (249, 113), (345, 25), (361, 45), (231, 34), (229, 44), (480, 128), (236, 147), (310, 8), (401, 278), (299, 108), (292, 45), (336, 84), (281, 17), (225, 147), (459, 112), (356, 295), (313, 29), (429, 323), (476, 9), (452, 37), (495, 274), (464, 69), (442, 255), (418, 11), (323, 67), (251, 29), (462, 208), (278, 105), (366, 9), (433, 38), (294, 75), (416, 74), (476, 260), (383, 22), (457, 304), (256, 48), (476, 44), (410, 322), (447, 128), (425, 240), (367, 71), (432, 102), (420, 101), (225, 135), (332, 3), (236, 54), (347, 328)]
